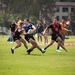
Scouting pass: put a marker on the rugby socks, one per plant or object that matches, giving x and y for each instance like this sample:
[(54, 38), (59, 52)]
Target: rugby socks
[(45, 48), (29, 51), (13, 48), (58, 48), (40, 49)]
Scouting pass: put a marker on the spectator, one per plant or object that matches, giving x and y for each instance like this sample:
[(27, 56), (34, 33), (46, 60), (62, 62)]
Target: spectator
[(12, 29), (39, 30)]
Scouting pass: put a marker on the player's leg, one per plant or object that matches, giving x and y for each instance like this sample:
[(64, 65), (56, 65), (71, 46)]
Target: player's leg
[(11, 37), (18, 45), (61, 44), (63, 39), (24, 42), (51, 43), (59, 47), (63, 47), (40, 37), (34, 44), (46, 38)]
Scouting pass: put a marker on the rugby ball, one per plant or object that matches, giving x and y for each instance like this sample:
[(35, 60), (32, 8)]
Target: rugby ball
[(30, 31)]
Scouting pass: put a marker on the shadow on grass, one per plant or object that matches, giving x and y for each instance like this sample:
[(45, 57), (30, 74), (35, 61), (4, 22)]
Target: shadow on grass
[(34, 54)]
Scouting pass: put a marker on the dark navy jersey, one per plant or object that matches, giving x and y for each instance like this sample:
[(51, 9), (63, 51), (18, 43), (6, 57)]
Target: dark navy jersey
[(28, 27)]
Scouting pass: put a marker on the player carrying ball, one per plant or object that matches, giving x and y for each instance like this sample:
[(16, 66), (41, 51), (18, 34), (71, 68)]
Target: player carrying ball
[(28, 35)]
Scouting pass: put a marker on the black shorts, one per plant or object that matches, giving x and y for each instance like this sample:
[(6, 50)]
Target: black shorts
[(60, 36), (16, 38), (27, 37), (54, 36)]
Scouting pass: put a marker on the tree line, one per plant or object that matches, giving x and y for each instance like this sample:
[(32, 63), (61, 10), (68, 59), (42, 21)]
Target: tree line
[(10, 9)]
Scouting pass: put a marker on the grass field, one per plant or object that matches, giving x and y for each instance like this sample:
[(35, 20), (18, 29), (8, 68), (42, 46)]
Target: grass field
[(50, 63)]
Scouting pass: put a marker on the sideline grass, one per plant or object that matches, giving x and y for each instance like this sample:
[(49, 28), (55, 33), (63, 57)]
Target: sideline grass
[(50, 63)]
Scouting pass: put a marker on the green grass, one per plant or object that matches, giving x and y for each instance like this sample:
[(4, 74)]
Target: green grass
[(50, 63)]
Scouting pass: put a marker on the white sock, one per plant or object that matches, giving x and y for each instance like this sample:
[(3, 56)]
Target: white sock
[(13, 48)]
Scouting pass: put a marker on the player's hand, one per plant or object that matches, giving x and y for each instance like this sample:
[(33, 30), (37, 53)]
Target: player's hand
[(43, 32), (70, 30), (19, 30)]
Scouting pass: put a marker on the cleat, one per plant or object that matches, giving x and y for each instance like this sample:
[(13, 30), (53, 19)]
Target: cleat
[(28, 51), (61, 48), (58, 51), (43, 50), (12, 51)]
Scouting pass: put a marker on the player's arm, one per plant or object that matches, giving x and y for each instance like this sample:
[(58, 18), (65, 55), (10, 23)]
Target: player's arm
[(34, 28), (50, 26), (24, 32), (66, 29), (45, 30)]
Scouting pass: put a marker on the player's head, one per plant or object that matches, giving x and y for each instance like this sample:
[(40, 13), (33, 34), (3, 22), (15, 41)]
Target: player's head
[(63, 21), (26, 21), (39, 22), (55, 20), (21, 24)]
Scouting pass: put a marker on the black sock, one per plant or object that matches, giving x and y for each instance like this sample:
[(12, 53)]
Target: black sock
[(40, 49), (57, 47), (29, 50), (45, 48)]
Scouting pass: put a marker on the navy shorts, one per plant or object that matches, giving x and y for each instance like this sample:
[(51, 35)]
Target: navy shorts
[(27, 37)]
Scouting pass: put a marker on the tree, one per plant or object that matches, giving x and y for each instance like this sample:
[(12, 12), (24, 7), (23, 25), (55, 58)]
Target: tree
[(46, 6), (6, 8), (26, 8)]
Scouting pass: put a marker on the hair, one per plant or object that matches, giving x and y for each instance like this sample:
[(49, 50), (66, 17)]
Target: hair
[(21, 23), (26, 19), (18, 18)]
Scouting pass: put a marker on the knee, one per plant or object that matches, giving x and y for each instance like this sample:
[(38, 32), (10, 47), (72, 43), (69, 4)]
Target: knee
[(50, 43), (35, 44), (19, 44), (24, 42)]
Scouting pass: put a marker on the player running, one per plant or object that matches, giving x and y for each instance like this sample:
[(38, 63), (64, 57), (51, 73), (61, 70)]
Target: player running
[(17, 38), (29, 30), (55, 27)]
